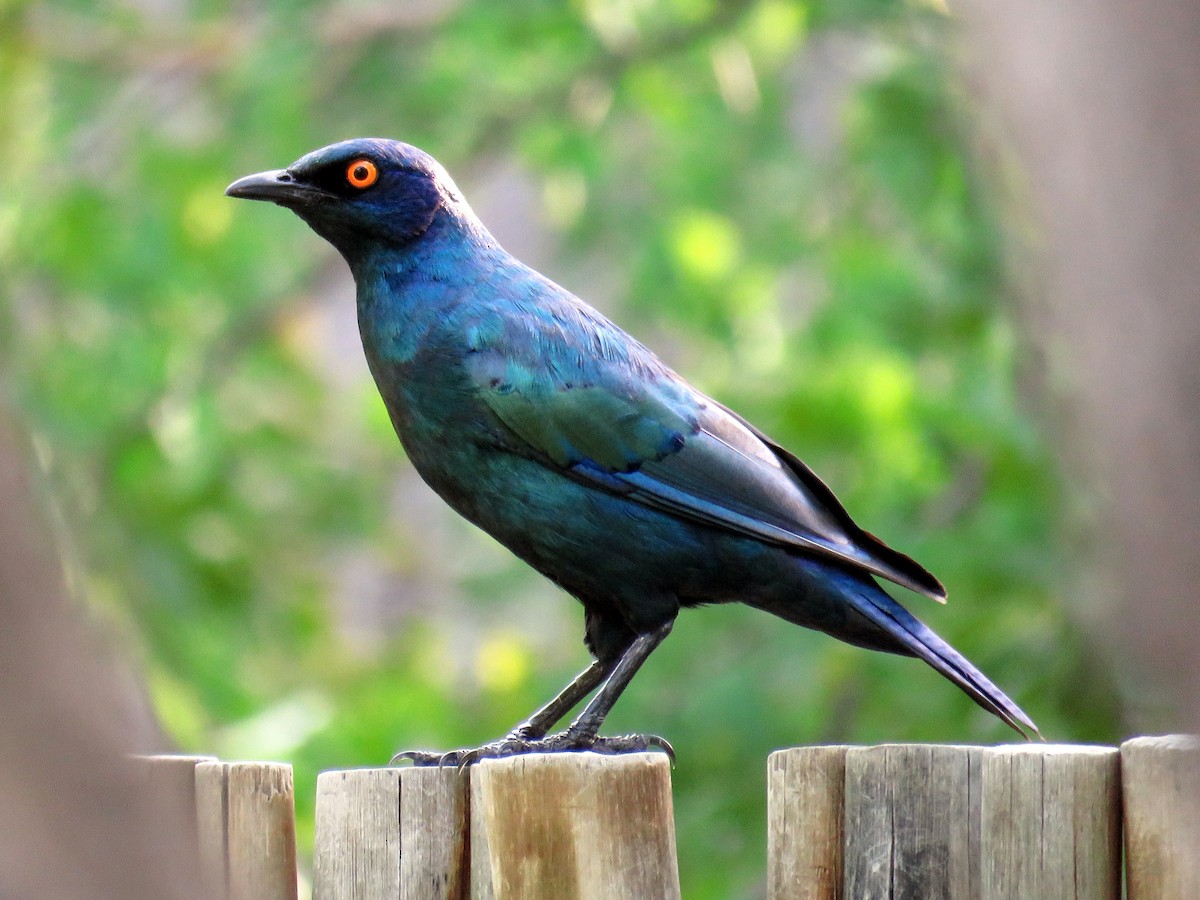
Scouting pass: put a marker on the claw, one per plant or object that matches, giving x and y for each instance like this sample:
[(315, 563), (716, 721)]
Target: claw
[(468, 757), (418, 758), (664, 745)]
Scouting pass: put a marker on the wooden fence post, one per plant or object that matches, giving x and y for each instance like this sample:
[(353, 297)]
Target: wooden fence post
[(1051, 823), (568, 826), (434, 841), (245, 816), (356, 852), (391, 833), (1161, 785), (911, 821), (895, 820), (804, 823), (481, 851)]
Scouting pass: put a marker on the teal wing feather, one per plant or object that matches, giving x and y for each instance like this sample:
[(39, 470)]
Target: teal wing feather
[(596, 421), (624, 422)]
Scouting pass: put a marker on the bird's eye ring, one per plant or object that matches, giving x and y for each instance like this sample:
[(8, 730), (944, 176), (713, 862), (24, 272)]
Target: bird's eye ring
[(362, 173)]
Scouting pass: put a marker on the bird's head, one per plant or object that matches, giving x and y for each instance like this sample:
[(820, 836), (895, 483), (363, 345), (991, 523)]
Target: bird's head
[(359, 194)]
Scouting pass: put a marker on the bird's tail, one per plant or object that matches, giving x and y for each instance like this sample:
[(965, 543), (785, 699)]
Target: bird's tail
[(892, 628)]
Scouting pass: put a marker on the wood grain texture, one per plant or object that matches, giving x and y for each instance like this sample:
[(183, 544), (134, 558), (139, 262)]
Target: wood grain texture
[(1160, 779), (804, 823), (245, 816), (356, 850), (568, 826), (434, 837), (1051, 822), (911, 821), (481, 851)]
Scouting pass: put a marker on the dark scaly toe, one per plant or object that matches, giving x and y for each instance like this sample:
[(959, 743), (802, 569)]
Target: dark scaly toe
[(562, 742), (570, 742), (511, 745), (634, 743), (620, 743)]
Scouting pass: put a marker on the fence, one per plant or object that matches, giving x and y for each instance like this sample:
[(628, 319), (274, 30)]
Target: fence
[(894, 821)]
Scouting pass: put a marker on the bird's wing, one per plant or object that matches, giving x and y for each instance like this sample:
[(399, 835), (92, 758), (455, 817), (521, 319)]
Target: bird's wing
[(638, 430)]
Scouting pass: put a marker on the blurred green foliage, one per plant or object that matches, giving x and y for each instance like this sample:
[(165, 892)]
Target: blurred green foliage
[(785, 198)]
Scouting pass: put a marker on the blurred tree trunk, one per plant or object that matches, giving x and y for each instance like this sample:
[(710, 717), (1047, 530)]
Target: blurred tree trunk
[(1102, 103), (77, 821)]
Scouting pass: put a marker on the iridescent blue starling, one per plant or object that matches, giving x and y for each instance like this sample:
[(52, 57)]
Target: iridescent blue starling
[(573, 445)]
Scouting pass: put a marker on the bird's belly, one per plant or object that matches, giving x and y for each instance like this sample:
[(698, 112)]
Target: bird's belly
[(606, 550)]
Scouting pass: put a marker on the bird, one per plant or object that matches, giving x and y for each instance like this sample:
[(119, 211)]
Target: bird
[(572, 444)]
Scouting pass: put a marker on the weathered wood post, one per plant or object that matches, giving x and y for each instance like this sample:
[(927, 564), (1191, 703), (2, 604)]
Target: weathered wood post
[(570, 826), (390, 833), (911, 821), (922, 820), (356, 852), (1161, 787), (804, 823), (1051, 822), (566, 826), (245, 816), (434, 834)]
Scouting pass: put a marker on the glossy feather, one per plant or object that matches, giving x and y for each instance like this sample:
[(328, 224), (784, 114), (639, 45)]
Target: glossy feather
[(572, 444)]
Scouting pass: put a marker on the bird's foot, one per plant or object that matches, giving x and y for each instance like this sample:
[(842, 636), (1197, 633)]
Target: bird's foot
[(516, 744)]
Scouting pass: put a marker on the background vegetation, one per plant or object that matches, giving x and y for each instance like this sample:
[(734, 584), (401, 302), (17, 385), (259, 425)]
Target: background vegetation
[(788, 200)]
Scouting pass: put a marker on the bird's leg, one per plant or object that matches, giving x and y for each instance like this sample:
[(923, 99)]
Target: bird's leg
[(581, 734), (532, 729), (548, 716)]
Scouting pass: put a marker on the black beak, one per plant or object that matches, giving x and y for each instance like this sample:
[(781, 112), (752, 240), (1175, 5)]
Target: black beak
[(278, 186)]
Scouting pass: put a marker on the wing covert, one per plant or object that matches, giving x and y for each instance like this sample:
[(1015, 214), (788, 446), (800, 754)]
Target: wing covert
[(630, 426)]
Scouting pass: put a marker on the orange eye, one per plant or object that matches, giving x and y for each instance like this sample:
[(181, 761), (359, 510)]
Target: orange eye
[(362, 173)]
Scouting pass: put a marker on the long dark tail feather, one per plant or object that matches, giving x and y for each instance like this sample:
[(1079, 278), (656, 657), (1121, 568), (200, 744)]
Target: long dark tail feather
[(919, 640)]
